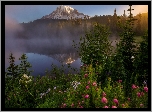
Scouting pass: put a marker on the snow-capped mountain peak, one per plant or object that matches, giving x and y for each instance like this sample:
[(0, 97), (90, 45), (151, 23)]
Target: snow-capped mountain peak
[(66, 8), (65, 12)]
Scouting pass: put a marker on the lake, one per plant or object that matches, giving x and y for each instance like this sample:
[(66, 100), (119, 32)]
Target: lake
[(43, 53)]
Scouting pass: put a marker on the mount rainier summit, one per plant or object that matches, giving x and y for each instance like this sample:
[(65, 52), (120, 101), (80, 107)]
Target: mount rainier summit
[(65, 12)]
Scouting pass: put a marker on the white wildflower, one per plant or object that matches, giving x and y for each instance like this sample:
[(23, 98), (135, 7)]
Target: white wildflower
[(75, 84), (145, 82), (48, 90), (132, 57), (54, 87), (25, 76), (42, 94)]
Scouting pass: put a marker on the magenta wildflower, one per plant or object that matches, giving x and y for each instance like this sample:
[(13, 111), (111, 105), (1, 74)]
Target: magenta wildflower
[(64, 105), (134, 86), (104, 100), (88, 82), (142, 93), (106, 107), (114, 107), (141, 105), (119, 81), (94, 84), (87, 96), (86, 75), (128, 99), (72, 105), (81, 106), (123, 105), (146, 89), (138, 94), (87, 87), (103, 94), (115, 101)]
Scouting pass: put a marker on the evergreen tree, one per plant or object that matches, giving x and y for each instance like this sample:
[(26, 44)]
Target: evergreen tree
[(141, 61), (124, 68)]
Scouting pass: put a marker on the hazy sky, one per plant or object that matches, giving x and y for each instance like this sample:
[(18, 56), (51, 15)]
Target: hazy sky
[(26, 13)]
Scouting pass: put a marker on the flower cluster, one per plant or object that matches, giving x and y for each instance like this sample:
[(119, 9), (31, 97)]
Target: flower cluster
[(43, 94), (75, 84), (25, 79)]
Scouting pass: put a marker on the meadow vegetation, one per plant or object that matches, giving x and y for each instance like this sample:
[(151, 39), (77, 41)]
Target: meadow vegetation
[(108, 78)]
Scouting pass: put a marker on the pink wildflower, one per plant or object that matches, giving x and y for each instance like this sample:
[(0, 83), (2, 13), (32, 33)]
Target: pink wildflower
[(128, 99), (119, 81), (142, 93), (81, 106), (72, 105), (79, 103), (94, 84), (64, 105), (104, 100), (87, 87), (87, 96), (138, 94), (115, 101), (146, 89), (82, 102), (106, 107), (88, 82), (134, 86), (114, 107), (86, 75), (141, 105), (123, 105), (103, 94)]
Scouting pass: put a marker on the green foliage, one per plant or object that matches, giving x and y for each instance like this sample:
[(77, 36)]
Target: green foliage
[(123, 62), (94, 47), (12, 69), (141, 61), (24, 66), (103, 74), (17, 70)]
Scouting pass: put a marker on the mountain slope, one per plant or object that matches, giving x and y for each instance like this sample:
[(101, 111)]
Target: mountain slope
[(65, 12)]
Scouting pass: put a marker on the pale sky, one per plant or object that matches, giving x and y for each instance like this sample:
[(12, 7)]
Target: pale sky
[(26, 13)]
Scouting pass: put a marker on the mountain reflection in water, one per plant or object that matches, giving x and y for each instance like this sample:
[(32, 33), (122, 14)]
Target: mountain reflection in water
[(41, 63)]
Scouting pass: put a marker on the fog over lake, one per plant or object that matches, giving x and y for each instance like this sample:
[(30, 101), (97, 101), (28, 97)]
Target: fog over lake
[(41, 53)]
